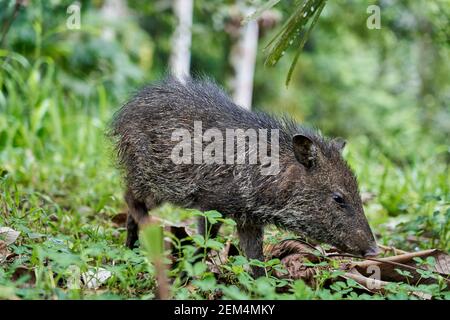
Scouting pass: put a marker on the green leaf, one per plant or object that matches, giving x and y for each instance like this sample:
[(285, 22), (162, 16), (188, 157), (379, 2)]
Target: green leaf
[(302, 43), (294, 32), (212, 216), (431, 261), (234, 293), (199, 268), (257, 263), (301, 290), (229, 222), (273, 262), (152, 238), (264, 286), (189, 268), (404, 273), (255, 15), (207, 284), (198, 240), (424, 273), (213, 244), (240, 261)]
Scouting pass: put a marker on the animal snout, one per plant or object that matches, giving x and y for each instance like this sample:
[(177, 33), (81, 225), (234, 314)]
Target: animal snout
[(370, 249)]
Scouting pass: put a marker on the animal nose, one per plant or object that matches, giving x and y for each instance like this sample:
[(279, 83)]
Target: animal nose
[(372, 251)]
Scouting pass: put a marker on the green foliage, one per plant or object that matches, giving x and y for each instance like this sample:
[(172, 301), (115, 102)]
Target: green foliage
[(239, 284), (152, 237), (295, 33)]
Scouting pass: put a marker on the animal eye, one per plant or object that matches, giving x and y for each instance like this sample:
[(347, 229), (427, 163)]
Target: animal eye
[(338, 198)]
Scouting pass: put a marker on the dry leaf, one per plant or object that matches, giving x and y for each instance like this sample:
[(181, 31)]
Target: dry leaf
[(120, 219), (372, 275), (288, 247), (93, 279), (296, 256), (295, 265), (4, 252), (387, 249), (8, 235), (406, 262), (23, 271)]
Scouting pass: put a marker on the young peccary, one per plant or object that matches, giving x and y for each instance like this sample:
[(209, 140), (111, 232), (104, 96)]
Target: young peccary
[(313, 193)]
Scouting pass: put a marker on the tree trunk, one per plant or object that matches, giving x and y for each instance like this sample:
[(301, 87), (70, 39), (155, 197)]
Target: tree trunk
[(180, 58), (113, 10), (243, 59)]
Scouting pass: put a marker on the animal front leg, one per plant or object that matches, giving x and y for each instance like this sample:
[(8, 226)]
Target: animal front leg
[(251, 242)]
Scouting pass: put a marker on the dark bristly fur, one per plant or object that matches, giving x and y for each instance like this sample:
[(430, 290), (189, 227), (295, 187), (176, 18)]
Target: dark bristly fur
[(303, 197)]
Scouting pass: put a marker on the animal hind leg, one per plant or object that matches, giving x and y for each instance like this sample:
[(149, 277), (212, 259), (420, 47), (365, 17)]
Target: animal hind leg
[(132, 232), (137, 216)]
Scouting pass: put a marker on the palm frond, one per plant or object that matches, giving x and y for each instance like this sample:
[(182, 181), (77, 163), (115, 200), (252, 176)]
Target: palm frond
[(294, 32), (255, 15)]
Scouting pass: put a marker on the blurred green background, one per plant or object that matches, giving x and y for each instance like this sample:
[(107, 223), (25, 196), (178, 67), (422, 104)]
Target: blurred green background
[(386, 91)]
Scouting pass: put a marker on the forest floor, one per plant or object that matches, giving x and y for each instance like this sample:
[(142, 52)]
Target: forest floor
[(63, 232)]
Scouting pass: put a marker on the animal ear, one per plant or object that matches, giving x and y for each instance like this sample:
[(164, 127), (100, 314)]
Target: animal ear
[(304, 150), (339, 143)]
